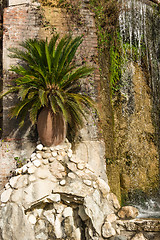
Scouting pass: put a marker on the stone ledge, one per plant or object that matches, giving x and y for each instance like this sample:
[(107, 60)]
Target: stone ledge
[(147, 225), (18, 2)]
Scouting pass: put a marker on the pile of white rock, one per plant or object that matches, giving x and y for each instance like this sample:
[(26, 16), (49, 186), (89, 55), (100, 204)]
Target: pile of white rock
[(54, 196)]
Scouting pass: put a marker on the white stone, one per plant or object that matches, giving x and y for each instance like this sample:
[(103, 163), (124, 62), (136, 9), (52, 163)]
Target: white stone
[(46, 155), (54, 154), (24, 169), (3, 205), (69, 153), (39, 147), (94, 185), (39, 211), (43, 173), (32, 178), (50, 216), (41, 236), (22, 182), (5, 196), (7, 186), (112, 198), (52, 149), (57, 227), (96, 197), (72, 166), (29, 164), (45, 161), (31, 170), (68, 212), (37, 163), (59, 147), (62, 182), (39, 189), (33, 158), (74, 159), (59, 208), (33, 155), (94, 211), (32, 219), (57, 169), (139, 236), (80, 166), (107, 230), (13, 181), (18, 171), (87, 182), (118, 231), (103, 186), (54, 179), (59, 157), (39, 155), (54, 197), (62, 153), (17, 195), (71, 175), (111, 218), (78, 234), (46, 149)]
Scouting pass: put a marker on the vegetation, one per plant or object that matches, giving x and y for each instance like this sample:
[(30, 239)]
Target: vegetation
[(49, 77), (109, 43)]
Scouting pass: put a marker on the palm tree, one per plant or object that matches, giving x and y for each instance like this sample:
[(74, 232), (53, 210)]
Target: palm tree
[(48, 85)]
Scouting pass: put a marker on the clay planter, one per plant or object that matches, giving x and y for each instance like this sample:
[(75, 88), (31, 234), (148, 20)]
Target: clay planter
[(51, 127)]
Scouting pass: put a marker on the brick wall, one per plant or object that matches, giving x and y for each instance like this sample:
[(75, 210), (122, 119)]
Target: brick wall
[(19, 22)]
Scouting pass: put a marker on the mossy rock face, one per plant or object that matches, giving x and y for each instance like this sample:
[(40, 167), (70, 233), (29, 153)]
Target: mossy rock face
[(114, 179), (136, 148)]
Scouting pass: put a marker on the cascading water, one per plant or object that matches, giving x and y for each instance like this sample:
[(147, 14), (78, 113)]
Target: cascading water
[(140, 34)]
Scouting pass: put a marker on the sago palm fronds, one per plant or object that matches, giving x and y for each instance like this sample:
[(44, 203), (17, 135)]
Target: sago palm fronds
[(48, 77)]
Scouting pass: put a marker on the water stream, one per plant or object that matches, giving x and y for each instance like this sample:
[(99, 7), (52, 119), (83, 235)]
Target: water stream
[(149, 209)]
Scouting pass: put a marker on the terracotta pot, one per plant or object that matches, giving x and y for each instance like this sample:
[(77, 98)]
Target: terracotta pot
[(51, 127)]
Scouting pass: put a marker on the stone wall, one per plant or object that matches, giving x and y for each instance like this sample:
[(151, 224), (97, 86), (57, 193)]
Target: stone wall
[(55, 196)]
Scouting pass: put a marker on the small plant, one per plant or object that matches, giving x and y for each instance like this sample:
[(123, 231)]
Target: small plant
[(49, 79), (20, 162)]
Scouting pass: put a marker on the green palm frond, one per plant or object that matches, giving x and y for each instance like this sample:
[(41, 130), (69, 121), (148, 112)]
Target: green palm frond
[(11, 90), (47, 76), (53, 103)]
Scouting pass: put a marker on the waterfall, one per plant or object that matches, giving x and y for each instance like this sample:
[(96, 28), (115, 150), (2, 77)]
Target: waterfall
[(139, 23)]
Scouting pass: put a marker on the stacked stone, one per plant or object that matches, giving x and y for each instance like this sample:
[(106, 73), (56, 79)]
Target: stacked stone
[(55, 196)]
